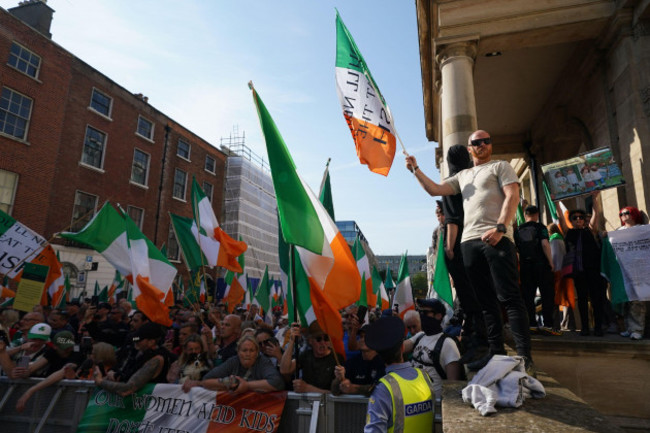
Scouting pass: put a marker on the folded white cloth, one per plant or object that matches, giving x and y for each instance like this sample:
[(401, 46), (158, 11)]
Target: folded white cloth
[(502, 382)]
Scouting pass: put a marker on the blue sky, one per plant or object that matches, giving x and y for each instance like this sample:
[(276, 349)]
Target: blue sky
[(193, 60)]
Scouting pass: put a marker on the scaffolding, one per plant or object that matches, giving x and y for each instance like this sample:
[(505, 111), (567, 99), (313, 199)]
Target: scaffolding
[(250, 206)]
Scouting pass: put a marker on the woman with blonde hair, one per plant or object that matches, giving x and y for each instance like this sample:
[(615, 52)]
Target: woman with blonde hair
[(248, 371)]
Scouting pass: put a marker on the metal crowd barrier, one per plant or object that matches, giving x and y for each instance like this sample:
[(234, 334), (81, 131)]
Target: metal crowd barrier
[(59, 408)]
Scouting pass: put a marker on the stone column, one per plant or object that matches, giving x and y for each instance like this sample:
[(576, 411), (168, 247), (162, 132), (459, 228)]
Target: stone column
[(458, 103)]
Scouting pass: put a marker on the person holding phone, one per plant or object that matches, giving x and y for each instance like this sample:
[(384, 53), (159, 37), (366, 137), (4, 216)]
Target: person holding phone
[(316, 363), (102, 355), (20, 362)]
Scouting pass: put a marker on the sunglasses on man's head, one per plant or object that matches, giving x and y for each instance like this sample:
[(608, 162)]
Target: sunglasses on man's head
[(625, 212), (479, 141), (321, 338), (577, 217)]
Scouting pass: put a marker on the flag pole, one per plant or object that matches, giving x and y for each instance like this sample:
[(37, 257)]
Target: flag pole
[(294, 291)]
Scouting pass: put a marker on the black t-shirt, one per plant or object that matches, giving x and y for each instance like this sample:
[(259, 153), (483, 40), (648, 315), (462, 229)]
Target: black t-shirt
[(582, 242), (56, 362), (362, 372), (318, 372), (226, 352), (528, 238)]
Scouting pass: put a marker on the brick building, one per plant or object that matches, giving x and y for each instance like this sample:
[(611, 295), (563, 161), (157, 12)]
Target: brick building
[(71, 138)]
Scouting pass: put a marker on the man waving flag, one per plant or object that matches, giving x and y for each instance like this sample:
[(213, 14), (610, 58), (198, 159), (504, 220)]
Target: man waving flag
[(364, 108)]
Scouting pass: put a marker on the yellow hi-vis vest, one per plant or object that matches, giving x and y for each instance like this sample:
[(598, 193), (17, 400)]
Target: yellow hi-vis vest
[(412, 402)]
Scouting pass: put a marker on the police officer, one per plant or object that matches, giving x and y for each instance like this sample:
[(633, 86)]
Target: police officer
[(409, 390)]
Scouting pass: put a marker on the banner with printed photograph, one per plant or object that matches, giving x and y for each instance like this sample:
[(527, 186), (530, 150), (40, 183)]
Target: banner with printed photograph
[(587, 172)]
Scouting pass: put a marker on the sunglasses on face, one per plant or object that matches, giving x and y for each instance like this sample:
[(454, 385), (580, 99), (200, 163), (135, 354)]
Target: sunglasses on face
[(625, 212), (479, 141), (321, 338), (577, 217), (266, 342)]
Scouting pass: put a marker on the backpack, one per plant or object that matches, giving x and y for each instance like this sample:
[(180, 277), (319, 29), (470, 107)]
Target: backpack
[(528, 243), (434, 355)]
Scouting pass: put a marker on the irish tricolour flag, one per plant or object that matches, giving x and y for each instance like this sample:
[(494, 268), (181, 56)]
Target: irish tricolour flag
[(320, 250), (165, 408), (364, 108), (403, 298), (219, 248), (118, 239)]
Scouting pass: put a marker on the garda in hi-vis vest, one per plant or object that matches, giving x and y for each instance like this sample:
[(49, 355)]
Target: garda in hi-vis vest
[(412, 402)]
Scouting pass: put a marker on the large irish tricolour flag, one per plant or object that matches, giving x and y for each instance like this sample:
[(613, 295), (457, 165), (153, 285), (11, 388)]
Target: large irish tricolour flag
[(123, 245), (364, 108)]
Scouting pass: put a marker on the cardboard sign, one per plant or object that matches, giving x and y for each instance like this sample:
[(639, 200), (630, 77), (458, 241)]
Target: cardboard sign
[(30, 287)]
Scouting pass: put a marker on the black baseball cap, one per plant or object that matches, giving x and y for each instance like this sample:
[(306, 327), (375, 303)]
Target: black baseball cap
[(149, 330), (434, 304), (385, 333)]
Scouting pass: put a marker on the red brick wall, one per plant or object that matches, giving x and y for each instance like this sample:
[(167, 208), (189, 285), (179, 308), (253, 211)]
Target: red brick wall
[(49, 167)]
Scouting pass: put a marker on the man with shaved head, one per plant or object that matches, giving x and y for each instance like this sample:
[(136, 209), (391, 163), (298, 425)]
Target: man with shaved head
[(490, 191), (230, 332)]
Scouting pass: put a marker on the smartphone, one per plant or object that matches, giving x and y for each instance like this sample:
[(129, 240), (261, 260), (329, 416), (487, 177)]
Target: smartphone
[(362, 310), (86, 345), (23, 362)]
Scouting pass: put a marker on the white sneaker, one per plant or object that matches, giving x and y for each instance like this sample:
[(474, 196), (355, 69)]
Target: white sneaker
[(636, 336), (625, 334)]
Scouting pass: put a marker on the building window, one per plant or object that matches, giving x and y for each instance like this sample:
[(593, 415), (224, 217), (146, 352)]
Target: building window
[(173, 252), (85, 206), (94, 145), (136, 214), (24, 60), (15, 111), (180, 183), (210, 164), (101, 103), (207, 189), (140, 168), (8, 182), (183, 149), (145, 128)]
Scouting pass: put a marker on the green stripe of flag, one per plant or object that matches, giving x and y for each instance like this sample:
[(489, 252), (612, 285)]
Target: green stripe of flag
[(297, 216)]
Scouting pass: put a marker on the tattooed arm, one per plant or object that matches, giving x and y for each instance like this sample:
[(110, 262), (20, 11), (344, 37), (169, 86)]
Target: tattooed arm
[(141, 377)]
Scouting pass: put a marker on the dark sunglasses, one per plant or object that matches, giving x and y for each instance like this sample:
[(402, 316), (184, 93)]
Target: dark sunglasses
[(577, 217), (321, 338), (266, 342), (479, 141), (625, 212)]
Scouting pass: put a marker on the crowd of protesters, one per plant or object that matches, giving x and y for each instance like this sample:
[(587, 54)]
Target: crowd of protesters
[(531, 269), (120, 349)]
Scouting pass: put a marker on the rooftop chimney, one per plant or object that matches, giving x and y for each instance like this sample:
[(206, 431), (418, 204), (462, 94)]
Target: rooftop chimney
[(35, 13)]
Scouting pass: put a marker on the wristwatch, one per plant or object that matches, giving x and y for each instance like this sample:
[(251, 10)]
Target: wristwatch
[(501, 228)]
